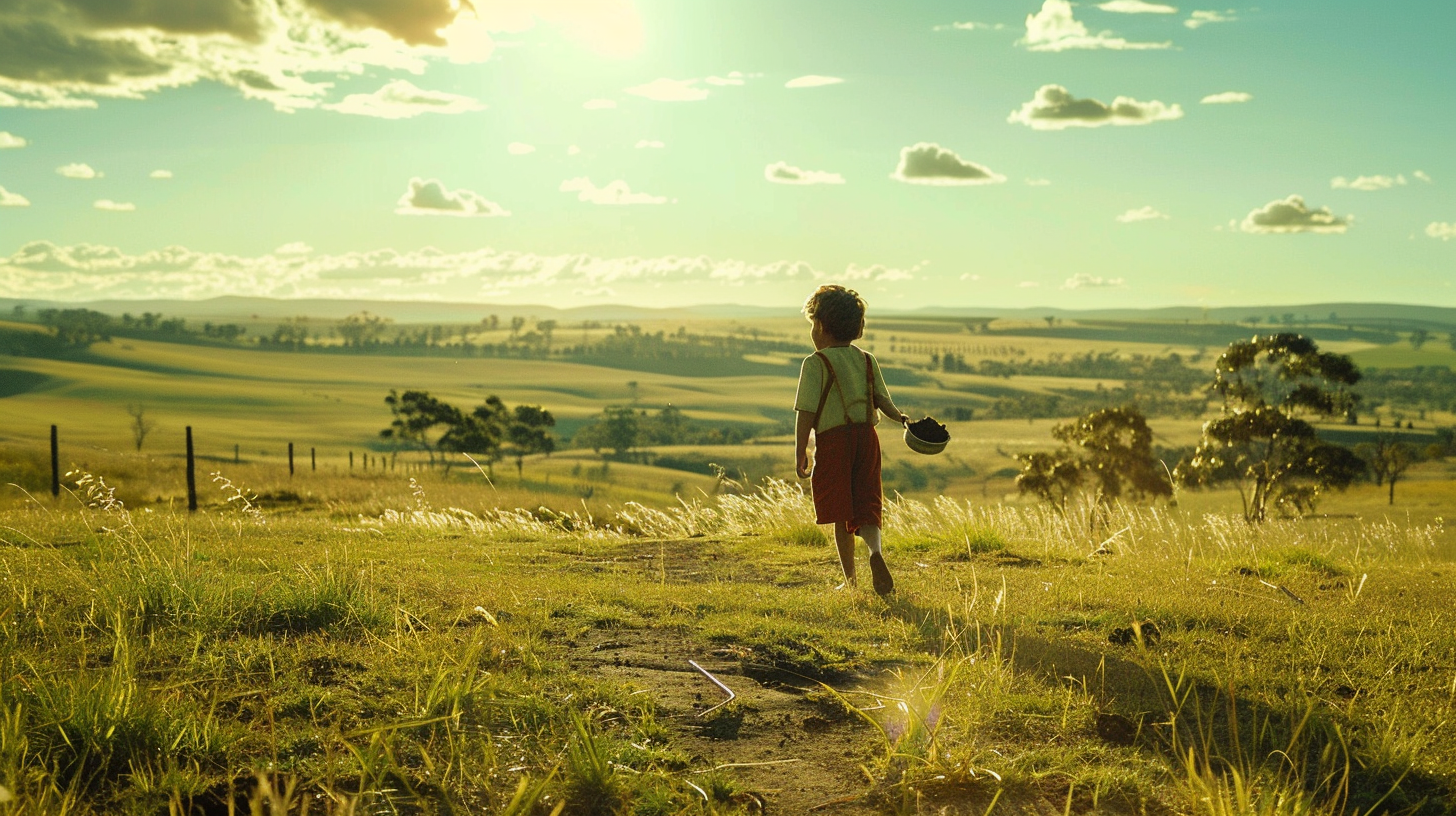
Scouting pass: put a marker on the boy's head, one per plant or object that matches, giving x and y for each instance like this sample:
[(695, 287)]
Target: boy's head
[(840, 311)]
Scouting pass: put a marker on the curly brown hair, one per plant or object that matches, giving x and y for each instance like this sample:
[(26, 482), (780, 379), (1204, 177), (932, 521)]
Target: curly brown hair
[(841, 311)]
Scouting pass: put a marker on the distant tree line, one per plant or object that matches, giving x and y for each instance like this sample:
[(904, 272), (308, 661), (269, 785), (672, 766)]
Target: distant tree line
[(622, 430), (489, 432)]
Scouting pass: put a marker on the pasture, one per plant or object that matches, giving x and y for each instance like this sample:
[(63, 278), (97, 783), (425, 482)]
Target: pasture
[(401, 637)]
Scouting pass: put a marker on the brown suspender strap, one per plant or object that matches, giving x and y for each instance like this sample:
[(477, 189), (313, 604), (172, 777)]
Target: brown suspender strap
[(869, 389), (823, 395)]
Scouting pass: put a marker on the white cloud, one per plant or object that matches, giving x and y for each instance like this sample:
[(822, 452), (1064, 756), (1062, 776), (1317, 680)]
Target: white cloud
[(9, 199), (432, 198), (971, 25), (9, 140), (572, 150), (1055, 29), (519, 148), (1203, 18), (114, 206), (1421, 174), (1292, 215), (78, 171), (929, 163), (879, 273), (294, 248), (1367, 183), (42, 269), (1136, 7), (784, 173), (160, 174), (733, 78), (1436, 230), (670, 90), (615, 193), (1082, 280), (400, 99), (1226, 98), (1054, 108), (1141, 214), (650, 144), (599, 104), (1038, 182), (69, 53), (968, 276), (812, 81)]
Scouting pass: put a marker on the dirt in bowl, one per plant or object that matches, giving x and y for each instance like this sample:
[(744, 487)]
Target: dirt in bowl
[(928, 430)]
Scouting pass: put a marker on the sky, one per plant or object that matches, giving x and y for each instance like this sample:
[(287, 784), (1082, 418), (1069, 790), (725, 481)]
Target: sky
[(965, 154)]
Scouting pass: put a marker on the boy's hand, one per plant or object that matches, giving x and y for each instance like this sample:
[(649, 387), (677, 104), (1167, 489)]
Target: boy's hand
[(805, 467)]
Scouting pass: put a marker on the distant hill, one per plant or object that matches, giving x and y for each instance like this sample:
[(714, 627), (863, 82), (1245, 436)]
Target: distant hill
[(1392, 315)]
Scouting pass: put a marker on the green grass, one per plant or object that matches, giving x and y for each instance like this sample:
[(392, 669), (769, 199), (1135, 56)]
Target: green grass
[(420, 659)]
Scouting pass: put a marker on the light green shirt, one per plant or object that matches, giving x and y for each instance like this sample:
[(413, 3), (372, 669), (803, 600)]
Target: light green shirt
[(849, 372)]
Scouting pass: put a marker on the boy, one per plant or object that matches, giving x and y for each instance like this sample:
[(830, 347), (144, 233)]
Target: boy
[(839, 389)]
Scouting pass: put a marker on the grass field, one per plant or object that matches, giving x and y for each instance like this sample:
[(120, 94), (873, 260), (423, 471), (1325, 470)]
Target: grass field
[(383, 647), (402, 638)]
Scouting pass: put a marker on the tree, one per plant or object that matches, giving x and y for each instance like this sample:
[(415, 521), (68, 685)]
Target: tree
[(77, 327), (1388, 459), (362, 328), (527, 433), (619, 429), (416, 415), (1111, 449), (516, 325), (1050, 477), (546, 328), (1261, 443), (140, 425), (1418, 338)]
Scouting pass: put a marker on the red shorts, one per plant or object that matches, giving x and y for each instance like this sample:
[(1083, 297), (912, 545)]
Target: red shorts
[(846, 479)]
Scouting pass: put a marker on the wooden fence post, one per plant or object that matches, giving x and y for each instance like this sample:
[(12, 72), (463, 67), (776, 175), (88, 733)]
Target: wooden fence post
[(290, 460), (191, 475), (235, 454), (351, 461), (313, 458), (55, 462)]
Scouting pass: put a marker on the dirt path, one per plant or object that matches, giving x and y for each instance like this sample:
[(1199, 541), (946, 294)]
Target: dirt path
[(780, 744)]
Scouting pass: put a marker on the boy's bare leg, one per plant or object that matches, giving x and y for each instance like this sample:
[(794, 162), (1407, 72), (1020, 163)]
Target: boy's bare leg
[(844, 540)]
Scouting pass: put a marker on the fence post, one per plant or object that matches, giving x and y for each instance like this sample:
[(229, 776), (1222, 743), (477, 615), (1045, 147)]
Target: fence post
[(313, 458), (290, 460), (235, 454), (55, 462), (191, 475), (351, 461)]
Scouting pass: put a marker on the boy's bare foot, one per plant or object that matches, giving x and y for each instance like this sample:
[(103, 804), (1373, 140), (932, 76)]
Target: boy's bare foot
[(884, 584)]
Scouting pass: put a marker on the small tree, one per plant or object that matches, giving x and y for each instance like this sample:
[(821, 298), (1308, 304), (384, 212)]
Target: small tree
[(527, 434), (1418, 338), (1051, 477), (416, 415), (1111, 449), (619, 429), (1388, 459), (140, 425), (1261, 443)]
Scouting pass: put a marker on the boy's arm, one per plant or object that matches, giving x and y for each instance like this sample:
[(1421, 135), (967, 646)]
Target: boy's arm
[(802, 426), (884, 403)]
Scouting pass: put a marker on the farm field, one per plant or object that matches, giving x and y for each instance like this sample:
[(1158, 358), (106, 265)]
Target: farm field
[(390, 630), (388, 654)]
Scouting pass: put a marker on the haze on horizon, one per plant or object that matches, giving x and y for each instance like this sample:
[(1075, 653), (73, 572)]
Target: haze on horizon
[(663, 153)]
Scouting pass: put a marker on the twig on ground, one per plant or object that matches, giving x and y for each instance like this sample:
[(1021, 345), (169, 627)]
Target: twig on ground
[(1285, 590), (716, 682), (746, 765)]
